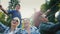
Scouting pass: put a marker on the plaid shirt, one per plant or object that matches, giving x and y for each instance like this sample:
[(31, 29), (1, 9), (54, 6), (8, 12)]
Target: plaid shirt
[(7, 29)]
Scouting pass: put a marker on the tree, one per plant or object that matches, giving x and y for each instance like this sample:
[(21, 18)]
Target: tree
[(2, 18), (44, 7), (13, 3)]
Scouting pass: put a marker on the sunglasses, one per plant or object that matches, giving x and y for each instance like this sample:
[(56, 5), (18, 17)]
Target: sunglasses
[(15, 20)]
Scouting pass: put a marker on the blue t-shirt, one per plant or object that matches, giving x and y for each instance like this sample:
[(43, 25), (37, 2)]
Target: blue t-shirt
[(15, 13)]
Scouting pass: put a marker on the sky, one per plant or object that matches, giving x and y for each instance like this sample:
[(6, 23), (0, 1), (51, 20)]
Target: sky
[(27, 6)]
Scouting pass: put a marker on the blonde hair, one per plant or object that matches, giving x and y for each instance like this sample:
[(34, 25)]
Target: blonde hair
[(25, 19)]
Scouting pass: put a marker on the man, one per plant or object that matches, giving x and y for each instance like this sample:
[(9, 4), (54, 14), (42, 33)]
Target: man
[(14, 13), (45, 26), (48, 27), (14, 27)]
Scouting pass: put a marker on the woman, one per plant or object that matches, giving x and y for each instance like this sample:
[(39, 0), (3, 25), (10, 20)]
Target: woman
[(14, 27), (28, 29)]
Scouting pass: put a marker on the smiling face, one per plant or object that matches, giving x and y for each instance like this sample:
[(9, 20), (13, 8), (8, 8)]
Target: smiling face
[(15, 22), (17, 7), (26, 23)]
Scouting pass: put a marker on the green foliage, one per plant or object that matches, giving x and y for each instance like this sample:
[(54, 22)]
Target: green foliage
[(13, 3), (44, 7), (9, 20), (2, 18)]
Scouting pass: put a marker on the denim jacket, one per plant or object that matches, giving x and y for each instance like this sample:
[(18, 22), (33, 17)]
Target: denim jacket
[(7, 29), (33, 30), (49, 28)]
